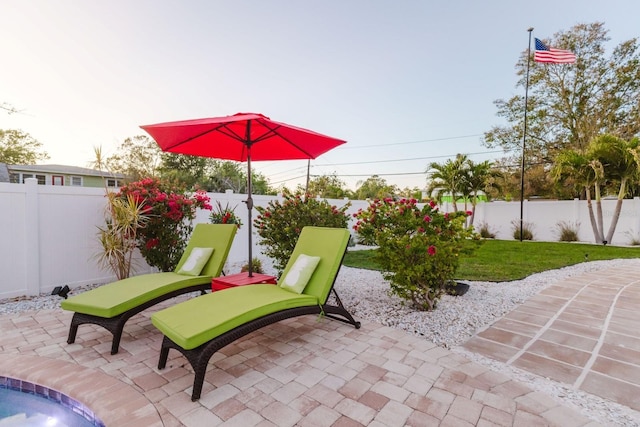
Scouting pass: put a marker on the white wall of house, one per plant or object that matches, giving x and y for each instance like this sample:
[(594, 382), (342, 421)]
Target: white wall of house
[(49, 233)]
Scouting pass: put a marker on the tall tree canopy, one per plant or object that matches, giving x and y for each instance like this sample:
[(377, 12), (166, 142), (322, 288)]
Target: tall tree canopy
[(20, 148), (137, 157), (375, 187), (571, 104), (327, 186)]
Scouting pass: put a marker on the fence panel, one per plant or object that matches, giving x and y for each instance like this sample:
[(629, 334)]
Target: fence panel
[(49, 234)]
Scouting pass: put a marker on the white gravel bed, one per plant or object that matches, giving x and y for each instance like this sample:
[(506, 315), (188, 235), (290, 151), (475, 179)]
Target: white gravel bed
[(456, 319)]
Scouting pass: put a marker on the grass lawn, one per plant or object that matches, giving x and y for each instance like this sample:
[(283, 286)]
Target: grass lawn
[(505, 260)]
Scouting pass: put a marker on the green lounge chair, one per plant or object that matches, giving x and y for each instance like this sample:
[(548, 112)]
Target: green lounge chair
[(203, 325), (111, 305)]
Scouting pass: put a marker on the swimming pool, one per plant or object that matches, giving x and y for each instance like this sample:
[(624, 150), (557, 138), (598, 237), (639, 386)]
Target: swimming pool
[(23, 403)]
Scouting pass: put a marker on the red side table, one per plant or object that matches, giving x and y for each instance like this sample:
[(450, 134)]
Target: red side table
[(240, 279)]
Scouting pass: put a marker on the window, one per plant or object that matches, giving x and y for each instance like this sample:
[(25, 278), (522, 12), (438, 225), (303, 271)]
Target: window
[(42, 179), (76, 181), (113, 183), (14, 178), (57, 180)]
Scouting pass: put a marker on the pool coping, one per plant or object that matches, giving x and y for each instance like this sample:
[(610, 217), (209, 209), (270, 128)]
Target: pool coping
[(111, 400)]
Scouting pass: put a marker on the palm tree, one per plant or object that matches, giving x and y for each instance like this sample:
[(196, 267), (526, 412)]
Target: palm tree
[(448, 178), (608, 158), (575, 166), (480, 177), (618, 158)]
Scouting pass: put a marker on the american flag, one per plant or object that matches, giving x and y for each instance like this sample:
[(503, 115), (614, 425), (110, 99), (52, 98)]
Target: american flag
[(550, 55)]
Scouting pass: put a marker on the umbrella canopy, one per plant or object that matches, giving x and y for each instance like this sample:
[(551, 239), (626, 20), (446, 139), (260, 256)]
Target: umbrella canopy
[(241, 137)]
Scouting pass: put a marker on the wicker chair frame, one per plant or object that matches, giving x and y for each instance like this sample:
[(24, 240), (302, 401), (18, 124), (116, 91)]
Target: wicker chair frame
[(115, 324), (199, 357)]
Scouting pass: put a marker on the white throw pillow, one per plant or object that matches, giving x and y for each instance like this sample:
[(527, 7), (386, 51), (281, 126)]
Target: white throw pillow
[(196, 261), (299, 274)]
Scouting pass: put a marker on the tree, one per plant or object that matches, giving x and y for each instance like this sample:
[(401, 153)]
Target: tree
[(137, 157), (609, 162), (448, 178), (20, 148), (619, 160), (190, 171), (571, 104), (326, 186), (375, 187), (227, 175), (8, 108), (480, 177), (578, 170)]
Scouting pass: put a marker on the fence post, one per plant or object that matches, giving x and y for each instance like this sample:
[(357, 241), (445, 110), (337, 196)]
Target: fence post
[(32, 233)]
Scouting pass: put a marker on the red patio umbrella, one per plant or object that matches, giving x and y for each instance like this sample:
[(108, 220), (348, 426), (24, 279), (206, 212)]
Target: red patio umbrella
[(241, 137)]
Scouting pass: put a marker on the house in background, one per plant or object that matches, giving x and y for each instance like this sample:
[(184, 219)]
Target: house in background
[(60, 175)]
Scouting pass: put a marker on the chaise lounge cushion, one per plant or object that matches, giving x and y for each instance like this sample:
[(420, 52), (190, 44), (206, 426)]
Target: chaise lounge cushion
[(116, 298), (197, 321), (123, 295)]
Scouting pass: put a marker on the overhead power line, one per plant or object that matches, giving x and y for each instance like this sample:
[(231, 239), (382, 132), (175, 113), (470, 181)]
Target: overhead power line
[(348, 147), (406, 160)]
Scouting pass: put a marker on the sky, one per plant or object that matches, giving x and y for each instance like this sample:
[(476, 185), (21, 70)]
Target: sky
[(405, 83)]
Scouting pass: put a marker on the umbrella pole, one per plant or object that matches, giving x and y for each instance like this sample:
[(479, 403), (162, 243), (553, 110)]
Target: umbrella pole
[(250, 208)]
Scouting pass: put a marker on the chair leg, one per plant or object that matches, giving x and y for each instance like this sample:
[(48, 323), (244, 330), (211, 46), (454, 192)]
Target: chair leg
[(73, 331), (115, 344), (198, 381), (164, 354)]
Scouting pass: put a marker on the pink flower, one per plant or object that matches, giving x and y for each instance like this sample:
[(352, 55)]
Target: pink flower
[(432, 204), (432, 250), (427, 218)]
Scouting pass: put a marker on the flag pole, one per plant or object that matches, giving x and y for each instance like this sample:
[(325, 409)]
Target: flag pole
[(524, 138)]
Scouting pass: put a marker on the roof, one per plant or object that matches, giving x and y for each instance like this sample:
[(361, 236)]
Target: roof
[(64, 169)]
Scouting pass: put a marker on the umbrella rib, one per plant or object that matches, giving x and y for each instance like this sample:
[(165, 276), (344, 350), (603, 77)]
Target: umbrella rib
[(273, 132), (216, 129)]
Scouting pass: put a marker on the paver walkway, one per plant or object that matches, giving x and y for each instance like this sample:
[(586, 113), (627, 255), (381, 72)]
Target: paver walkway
[(583, 331), (296, 372)]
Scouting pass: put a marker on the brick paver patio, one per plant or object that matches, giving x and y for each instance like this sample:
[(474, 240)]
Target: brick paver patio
[(581, 331), (297, 372)]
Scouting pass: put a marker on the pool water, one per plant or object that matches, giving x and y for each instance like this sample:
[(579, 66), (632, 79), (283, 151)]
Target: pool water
[(26, 404)]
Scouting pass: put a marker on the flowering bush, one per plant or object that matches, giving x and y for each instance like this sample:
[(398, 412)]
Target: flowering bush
[(224, 215), (418, 247), (170, 214), (280, 224)]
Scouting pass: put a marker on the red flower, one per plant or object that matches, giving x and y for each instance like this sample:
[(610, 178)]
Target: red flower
[(432, 250), (427, 218), (469, 213), (152, 243), (432, 204)]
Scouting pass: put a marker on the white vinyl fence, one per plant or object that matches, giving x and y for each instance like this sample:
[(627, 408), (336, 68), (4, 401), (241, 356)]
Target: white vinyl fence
[(49, 233)]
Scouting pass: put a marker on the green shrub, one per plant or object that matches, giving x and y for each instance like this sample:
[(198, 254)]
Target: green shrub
[(256, 266), (485, 231), (527, 230), (419, 248), (634, 239), (279, 224), (224, 215), (567, 232)]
